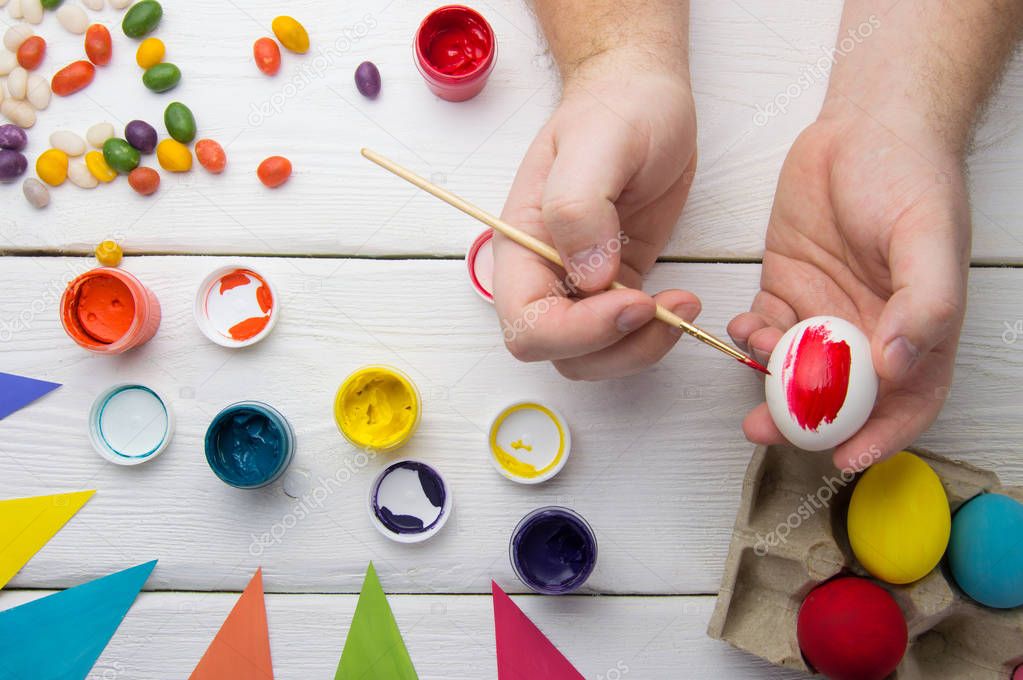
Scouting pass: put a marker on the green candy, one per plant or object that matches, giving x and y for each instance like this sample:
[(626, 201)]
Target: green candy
[(50, 4), (120, 155), (142, 18), (180, 122), (161, 77)]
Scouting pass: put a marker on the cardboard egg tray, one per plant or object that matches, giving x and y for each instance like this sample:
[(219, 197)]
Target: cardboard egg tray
[(801, 497)]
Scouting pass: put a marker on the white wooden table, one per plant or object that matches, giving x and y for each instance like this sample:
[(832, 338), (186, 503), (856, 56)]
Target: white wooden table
[(371, 271)]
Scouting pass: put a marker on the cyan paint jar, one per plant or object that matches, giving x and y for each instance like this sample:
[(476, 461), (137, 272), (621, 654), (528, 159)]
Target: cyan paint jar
[(249, 444)]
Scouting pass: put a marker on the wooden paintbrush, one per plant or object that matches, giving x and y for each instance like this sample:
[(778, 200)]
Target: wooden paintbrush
[(547, 252)]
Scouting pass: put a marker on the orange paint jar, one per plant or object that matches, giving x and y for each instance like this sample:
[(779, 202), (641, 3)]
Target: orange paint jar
[(109, 311)]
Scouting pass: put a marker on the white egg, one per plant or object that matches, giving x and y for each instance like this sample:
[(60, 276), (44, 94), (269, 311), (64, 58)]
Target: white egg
[(822, 385)]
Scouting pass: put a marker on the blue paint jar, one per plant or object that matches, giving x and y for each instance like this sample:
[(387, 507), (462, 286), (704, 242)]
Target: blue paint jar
[(249, 444), (553, 550)]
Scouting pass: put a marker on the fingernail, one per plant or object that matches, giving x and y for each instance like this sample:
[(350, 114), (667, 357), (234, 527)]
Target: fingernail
[(587, 262), (900, 355), (761, 356), (632, 317), (686, 311)]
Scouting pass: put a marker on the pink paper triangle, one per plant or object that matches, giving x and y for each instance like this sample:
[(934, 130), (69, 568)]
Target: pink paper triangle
[(523, 652)]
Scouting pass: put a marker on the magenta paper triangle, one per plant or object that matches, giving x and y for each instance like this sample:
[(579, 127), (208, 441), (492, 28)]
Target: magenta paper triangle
[(17, 392), (523, 652)]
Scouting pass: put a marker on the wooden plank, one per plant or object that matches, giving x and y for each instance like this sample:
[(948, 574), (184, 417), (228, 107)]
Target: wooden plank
[(448, 637), (745, 55), (656, 466)]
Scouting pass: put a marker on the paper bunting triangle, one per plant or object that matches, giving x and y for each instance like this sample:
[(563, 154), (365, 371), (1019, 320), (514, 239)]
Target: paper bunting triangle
[(18, 392), (60, 636), (374, 648), (523, 652), (241, 650), (26, 524)]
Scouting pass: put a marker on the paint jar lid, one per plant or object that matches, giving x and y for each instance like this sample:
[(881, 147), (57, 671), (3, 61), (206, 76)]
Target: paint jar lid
[(480, 261), (409, 501), (236, 306), (529, 442), (130, 424)]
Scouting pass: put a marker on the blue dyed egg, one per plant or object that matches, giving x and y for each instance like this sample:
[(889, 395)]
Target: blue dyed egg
[(985, 551)]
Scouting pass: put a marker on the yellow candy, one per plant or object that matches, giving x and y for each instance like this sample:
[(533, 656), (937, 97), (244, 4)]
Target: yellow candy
[(109, 253), (150, 52), (51, 166), (98, 167), (291, 34), (899, 520), (174, 156)]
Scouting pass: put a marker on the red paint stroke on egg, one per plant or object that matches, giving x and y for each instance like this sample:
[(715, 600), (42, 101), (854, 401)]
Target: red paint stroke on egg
[(816, 377)]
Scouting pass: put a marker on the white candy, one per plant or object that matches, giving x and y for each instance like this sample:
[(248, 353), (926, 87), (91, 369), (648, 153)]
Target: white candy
[(33, 11), (19, 113), (3, 2), (17, 83), (38, 92), (80, 176), (68, 142), (99, 133), (95, 5), (16, 35), (2, 95), (14, 9), (120, 4), (73, 18), (8, 62)]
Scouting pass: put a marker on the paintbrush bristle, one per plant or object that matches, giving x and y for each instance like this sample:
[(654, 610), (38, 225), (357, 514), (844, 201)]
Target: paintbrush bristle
[(752, 363)]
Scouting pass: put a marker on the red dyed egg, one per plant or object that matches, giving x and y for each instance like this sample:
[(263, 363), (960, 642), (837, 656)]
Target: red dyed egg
[(274, 171), (98, 46), (31, 53), (267, 56), (852, 629), (72, 78)]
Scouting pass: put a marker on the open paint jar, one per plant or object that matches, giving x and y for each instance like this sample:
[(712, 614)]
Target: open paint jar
[(409, 501), (455, 50), (109, 311), (236, 306), (529, 442), (377, 408), (130, 424), (249, 444), (553, 550), (480, 260)]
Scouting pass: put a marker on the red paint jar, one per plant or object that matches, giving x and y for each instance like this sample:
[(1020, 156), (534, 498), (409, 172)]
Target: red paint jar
[(455, 51), (109, 311)]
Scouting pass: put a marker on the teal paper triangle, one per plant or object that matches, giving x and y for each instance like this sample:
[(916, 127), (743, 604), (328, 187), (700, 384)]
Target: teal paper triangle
[(60, 636)]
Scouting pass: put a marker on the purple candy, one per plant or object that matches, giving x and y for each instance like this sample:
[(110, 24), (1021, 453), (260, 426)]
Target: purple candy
[(12, 137), (12, 165), (141, 135), (367, 79)]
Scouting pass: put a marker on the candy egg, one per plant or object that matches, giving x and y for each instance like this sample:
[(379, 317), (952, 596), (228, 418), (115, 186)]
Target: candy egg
[(851, 629), (899, 519), (822, 384), (985, 552)]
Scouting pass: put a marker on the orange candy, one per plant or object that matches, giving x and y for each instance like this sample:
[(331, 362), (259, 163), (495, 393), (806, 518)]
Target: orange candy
[(31, 53), (72, 78), (274, 171), (97, 45), (211, 155), (144, 180), (267, 55)]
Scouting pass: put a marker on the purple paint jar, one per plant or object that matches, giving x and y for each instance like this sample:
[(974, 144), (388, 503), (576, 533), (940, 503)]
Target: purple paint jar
[(553, 550)]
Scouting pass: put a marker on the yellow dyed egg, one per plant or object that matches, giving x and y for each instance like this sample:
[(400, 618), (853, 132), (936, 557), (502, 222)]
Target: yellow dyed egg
[(98, 167), (291, 34), (174, 156), (899, 519), (109, 253), (150, 53), (51, 166)]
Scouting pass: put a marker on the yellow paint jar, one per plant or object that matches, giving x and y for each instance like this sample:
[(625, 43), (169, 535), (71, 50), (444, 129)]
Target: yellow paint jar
[(529, 442), (377, 408)]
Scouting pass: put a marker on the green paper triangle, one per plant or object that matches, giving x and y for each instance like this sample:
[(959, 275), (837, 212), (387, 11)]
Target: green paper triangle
[(374, 649)]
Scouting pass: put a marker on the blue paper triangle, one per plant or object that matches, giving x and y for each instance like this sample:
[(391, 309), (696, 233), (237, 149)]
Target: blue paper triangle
[(18, 392), (60, 636)]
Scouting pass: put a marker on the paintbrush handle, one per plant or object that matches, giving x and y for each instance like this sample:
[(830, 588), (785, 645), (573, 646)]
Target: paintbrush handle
[(544, 250)]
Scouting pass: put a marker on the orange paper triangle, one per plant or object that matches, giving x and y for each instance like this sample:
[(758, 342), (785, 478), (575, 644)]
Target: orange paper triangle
[(241, 649)]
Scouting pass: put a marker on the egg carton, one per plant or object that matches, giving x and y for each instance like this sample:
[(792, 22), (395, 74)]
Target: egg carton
[(790, 535)]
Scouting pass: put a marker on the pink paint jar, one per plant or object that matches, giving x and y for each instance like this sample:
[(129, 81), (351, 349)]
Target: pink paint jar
[(109, 311), (455, 51)]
